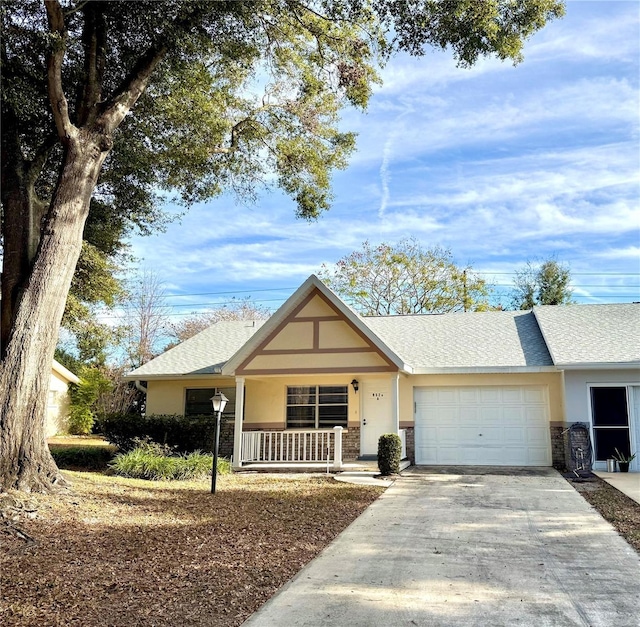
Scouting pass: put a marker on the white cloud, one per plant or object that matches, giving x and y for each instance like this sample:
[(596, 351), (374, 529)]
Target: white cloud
[(501, 164)]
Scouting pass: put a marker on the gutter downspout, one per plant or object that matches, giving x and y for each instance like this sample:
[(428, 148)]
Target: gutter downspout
[(140, 387)]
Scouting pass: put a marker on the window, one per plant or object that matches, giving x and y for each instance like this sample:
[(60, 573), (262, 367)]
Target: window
[(317, 407), (198, 401)]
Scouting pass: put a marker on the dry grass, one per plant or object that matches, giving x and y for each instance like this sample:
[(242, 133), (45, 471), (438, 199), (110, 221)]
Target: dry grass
[(79, 440), (614, 506), (113, 551)]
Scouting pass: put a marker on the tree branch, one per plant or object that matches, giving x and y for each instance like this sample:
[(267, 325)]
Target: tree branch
[(94, 42), (59, 103)]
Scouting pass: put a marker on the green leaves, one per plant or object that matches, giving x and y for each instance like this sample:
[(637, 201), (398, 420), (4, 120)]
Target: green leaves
[(405, 278), (546, 283)]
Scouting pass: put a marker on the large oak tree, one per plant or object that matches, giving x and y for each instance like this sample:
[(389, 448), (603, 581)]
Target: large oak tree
[(115, 102)]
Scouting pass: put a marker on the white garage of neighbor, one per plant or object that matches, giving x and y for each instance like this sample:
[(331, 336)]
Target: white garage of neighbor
[(483, 426)]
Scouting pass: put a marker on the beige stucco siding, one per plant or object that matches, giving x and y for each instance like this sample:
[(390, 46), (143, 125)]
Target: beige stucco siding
[(551, 380), (338, 334), (295, 335), (317, 307), (266, 399), (168, 396)]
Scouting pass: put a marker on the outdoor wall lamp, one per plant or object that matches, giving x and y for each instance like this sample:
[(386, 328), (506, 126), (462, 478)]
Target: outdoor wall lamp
[(355, 385), (219, 401)]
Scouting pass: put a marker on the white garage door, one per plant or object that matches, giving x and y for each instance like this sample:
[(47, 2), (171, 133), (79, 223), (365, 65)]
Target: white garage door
[(482, 426)]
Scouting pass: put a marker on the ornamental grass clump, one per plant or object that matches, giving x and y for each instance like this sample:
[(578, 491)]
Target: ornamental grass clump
[(156, 462)]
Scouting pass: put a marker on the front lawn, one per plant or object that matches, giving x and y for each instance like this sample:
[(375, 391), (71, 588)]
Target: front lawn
[(114, 551)]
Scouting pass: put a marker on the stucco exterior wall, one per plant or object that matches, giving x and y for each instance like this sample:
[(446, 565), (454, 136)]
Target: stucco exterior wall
[(266, 399), (168, 396), (578, 399), (577, 384)]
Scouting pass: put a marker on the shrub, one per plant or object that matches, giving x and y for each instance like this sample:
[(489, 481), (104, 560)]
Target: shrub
[(184, 434), (80, 420), (82, 457), (83, 398), (153, 461), (389, 453)]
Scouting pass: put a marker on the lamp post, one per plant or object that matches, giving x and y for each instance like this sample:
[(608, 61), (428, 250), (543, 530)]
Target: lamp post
[(219, 401)]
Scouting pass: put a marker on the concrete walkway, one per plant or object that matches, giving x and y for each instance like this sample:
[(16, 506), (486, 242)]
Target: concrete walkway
[(627, 482), (468, 547)]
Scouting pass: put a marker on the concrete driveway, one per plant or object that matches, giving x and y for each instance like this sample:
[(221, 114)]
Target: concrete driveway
[(464, 547)]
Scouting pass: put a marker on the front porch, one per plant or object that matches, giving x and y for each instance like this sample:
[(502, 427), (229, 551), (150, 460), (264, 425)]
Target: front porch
[(314, 450)]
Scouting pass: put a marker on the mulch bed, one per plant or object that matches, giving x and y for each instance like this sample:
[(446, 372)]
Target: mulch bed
[(112, 551), (614, 506)]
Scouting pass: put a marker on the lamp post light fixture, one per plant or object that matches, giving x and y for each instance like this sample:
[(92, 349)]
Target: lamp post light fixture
[(219, 401)]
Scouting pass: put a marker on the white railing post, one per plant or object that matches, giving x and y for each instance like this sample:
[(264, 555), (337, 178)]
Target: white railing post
[(403, 440), (337, 449), (237, 428)]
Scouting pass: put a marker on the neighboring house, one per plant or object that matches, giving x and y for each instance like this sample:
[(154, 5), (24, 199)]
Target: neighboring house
[(58, 399), (460, 389), (597, 348)]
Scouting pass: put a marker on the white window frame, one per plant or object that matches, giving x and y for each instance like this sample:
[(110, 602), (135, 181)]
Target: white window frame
[(317, 404)]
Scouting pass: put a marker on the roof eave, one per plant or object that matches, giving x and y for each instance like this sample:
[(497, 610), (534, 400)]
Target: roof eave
[(65, 372), (174, 375), (485, 370), (606, 365)]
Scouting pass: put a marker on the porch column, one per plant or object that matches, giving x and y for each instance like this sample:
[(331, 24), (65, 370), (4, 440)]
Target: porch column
[(395, 400), (237, 431)]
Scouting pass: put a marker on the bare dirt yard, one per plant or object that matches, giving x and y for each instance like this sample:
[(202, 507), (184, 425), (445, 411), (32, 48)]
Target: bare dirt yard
[(110, 551)]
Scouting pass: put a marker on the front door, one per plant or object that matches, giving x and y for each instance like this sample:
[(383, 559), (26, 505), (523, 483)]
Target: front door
[(610, 413), (377, 417)]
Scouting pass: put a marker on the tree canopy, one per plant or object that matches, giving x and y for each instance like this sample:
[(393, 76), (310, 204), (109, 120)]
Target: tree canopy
[(405, 278), (545, 283), (106, 106)]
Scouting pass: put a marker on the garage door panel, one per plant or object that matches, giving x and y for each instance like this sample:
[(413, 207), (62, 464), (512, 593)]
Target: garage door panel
[(492, 425), (534, 395), (447, 396), (490, 395), (512, 396), (468, 396)]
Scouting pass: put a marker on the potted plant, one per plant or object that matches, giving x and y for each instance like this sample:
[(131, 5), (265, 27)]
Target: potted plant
[(623, 460)]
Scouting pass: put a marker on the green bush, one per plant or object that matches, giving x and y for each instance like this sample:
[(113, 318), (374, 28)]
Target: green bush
[(83, 398), (82, 457), (184, 434), (154, 462), (389, 453)]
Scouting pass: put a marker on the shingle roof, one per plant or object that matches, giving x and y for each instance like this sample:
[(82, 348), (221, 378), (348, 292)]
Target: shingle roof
[(574, 334), (204, 353), (493, 339), (592, 334)]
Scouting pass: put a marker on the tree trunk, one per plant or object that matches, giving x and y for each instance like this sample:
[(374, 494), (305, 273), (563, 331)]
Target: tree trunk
[(25, 370)]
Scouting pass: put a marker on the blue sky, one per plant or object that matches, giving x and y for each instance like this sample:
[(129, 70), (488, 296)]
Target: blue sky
[(501, 164)]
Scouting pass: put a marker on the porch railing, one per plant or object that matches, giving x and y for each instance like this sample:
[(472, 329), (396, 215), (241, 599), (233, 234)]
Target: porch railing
[(403, 439), (293, 446)]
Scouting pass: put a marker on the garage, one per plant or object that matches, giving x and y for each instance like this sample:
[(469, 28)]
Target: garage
[(482, 426)]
